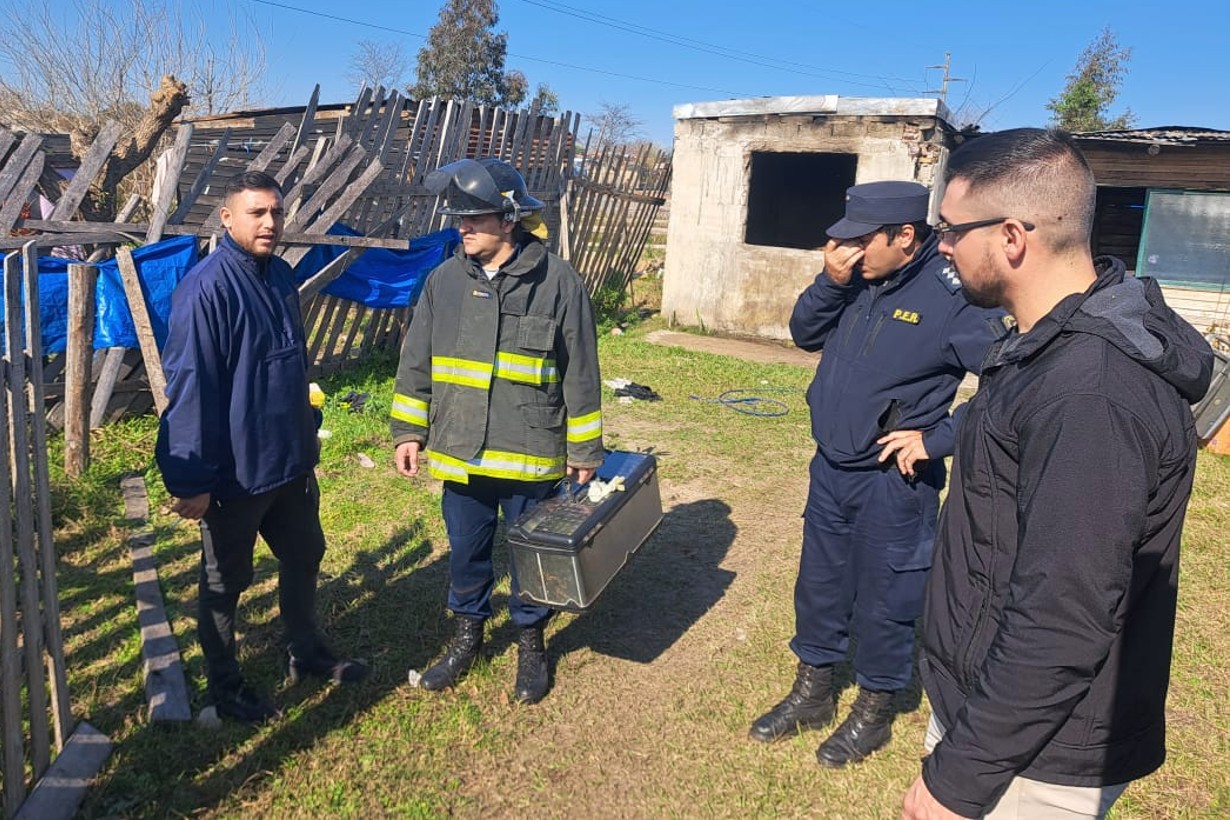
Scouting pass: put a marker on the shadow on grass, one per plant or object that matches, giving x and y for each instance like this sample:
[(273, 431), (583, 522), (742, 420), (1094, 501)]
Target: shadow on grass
[(383, 607), (670, 584)]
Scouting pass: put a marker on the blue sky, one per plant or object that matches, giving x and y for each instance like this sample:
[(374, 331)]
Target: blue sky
[(1013, 57)]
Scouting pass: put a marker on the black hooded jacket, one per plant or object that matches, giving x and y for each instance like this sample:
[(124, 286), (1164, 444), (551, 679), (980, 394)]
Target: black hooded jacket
[(1051, 603)]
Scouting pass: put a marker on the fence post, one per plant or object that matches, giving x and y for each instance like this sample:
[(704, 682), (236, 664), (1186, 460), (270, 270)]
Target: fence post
[(60, 706), (12, 743), (78, 360)]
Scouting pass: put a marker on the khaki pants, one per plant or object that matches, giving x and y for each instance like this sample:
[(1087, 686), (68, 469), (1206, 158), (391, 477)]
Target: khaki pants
[(1034, 800)]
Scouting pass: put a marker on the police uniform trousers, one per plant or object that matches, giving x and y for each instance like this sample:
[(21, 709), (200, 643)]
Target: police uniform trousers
[(288, 518), (470, 515), (868, 536)]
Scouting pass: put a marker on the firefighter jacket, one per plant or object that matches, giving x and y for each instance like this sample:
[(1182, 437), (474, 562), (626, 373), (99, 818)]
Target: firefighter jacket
[(894, 354), (238, 421), (499, 377)]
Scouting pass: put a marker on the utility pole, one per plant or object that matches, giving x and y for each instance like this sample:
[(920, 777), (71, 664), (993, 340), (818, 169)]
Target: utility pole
[(948, 78)]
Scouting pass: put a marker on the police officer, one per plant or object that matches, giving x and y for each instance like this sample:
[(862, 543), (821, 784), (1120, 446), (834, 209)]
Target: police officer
[(499, 384), (898, 337)]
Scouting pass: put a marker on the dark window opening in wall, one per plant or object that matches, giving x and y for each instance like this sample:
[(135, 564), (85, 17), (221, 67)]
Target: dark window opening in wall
[(1118, 221), (793, 197)]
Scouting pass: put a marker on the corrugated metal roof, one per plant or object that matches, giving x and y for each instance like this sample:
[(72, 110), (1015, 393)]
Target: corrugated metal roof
[(1165, 135)]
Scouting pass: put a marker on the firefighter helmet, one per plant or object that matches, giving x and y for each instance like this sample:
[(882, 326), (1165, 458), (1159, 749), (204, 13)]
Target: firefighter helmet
[(482, 186)]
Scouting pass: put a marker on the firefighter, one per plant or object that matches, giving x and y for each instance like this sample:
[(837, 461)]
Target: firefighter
[(498, 392), (898, 336)]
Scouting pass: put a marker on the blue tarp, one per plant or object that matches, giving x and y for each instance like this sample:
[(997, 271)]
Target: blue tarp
[(161, 265), (381, 278)]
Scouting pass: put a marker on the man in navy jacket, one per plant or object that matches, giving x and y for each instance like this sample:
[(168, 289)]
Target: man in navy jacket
[(897, 337), (237, 443)]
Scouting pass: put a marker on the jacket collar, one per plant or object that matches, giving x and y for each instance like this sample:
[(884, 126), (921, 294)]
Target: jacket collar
[(1017, 346), (1132, 315), (927, 252), (249, 262), (530, 256)]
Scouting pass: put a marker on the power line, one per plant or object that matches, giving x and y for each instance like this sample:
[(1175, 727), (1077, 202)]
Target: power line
[(716, 49), (557, 63), (943, 89)]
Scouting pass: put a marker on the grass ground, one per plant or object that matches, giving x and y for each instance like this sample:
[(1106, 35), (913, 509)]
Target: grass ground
[(653, 689)]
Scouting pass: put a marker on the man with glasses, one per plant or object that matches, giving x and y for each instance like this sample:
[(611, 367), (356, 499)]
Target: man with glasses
[(1051, 608), (898, 337)]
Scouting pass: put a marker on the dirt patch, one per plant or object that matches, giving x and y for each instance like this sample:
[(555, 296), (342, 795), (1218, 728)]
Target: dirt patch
[(752, 350)]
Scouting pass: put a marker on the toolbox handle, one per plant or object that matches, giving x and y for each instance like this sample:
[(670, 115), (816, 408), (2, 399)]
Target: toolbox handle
[(563, 489)]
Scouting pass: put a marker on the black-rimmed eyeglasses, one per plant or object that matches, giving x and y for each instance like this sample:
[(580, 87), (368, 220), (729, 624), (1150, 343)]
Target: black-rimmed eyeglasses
[(947, 233)]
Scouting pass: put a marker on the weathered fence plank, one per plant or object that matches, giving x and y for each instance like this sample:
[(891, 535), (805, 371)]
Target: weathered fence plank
[(91, 164), (27, 561), (80, 354), (145, 329), (61, 712)]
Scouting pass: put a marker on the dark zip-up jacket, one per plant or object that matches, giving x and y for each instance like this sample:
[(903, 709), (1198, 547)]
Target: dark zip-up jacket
[(238, 421), (894, 354), (499, 377), (1051, 604)]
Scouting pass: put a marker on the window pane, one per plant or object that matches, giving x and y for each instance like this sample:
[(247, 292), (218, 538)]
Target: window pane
[(1186, 239)]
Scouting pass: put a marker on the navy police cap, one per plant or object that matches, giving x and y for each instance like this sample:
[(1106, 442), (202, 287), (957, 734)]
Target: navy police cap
[(873, 205)]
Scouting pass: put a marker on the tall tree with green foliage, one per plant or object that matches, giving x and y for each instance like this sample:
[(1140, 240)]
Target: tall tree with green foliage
[(1092, 86), (464, 57)]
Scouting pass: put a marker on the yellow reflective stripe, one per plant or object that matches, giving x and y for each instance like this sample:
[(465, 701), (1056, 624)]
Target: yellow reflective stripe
[(495, 464), (409, 410), (461, 371), (584, 428), (445, 469), (526, 369)]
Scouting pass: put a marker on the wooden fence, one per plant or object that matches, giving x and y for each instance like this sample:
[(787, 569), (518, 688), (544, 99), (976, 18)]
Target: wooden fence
[(361, 165), (613, 202), (35, 713)]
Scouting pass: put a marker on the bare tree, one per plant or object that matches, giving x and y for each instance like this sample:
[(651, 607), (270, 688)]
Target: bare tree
[(378, 64), (616, 125), (87, 60), (67, 67)]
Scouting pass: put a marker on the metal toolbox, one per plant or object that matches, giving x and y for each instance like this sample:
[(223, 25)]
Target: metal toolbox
[(567, 548)]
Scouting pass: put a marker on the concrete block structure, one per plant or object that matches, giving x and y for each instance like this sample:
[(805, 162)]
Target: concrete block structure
[(757, 181)]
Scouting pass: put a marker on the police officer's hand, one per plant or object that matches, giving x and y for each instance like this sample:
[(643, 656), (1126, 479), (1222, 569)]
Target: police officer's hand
[(919, 804), (581, 475), (407, 458), (840, 260), (907, 446), (191, 508)]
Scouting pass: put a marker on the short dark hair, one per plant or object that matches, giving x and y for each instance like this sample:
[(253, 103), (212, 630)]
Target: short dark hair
[(921, 230), (251, 181), (1039, 174)]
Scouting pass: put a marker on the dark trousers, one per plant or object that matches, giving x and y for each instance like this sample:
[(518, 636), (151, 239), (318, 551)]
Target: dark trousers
[(867, 542), (288, 518), (470, 515)]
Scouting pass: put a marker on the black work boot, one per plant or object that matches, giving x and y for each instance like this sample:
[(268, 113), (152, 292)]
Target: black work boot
[(241, 702), (869, 727), (463, 650), (319, 662), (808, 706), (531, 665)]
